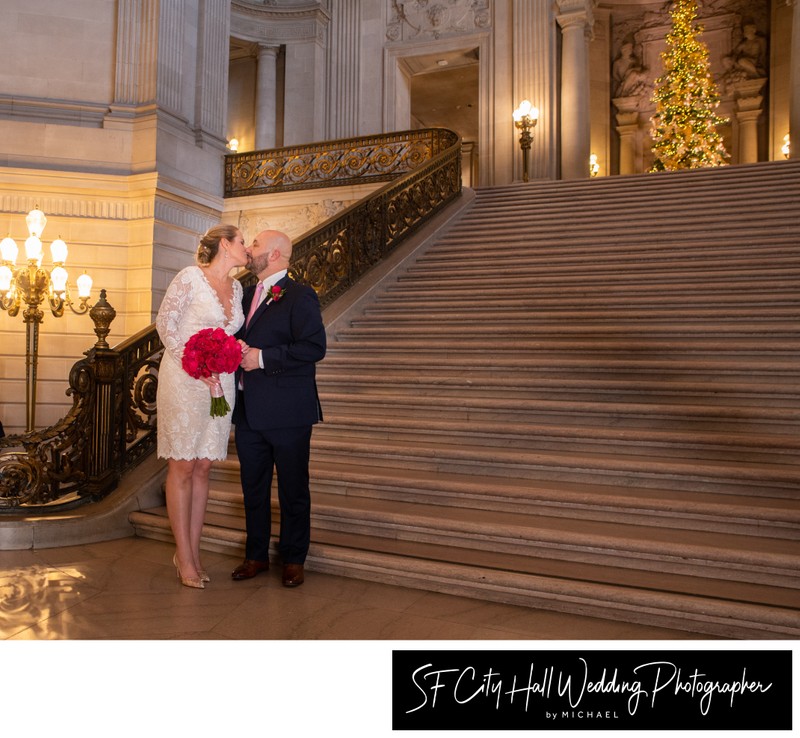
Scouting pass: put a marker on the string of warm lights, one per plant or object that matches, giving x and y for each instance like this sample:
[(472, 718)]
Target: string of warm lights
[(684, 126)]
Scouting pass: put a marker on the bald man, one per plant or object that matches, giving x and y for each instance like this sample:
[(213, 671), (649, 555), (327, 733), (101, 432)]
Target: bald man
[(277, 406)]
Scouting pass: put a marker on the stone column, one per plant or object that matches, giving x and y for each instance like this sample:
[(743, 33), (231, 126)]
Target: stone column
[(136, 70), (212, 69), (575, 19), (266, 98), (534, 64), (344, 61), (628, 129), (748, 111), (794, 85)]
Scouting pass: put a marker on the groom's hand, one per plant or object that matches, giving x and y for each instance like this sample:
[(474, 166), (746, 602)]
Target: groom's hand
[(250, 359)]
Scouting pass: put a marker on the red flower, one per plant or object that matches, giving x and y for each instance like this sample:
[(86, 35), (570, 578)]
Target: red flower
[(212, 351), (275, 293)]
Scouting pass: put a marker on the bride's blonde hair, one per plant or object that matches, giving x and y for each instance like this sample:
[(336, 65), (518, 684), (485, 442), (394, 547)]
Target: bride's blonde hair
[(209, 243)]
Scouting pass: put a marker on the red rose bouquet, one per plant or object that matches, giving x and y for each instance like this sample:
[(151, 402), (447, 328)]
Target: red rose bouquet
[(212, 351)]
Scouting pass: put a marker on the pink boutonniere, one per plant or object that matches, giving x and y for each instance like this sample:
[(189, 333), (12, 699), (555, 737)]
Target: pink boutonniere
[(275, 293)]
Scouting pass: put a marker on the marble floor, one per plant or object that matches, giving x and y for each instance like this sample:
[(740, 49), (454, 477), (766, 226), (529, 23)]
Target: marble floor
[(126, 589), (110, 622)]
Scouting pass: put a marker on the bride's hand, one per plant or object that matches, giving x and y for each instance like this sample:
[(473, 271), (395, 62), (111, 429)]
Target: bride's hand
[(211, 382)]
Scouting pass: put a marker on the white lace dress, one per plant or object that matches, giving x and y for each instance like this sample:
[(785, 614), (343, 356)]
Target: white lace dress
[(186, 430)]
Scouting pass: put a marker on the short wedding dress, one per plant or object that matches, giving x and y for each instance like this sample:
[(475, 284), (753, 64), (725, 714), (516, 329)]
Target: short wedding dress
[(186, 429)]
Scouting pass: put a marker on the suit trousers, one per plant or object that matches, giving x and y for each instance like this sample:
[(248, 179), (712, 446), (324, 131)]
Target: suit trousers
[(287, 451)]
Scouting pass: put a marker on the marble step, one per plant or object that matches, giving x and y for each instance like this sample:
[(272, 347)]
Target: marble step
[(728, 610), (605, 551), (759, 348), (525, 309), (660, 507), (780, 390), (633, 263), (565, 555), (739, 181), (536, 435), (568, 366), (694, 510), (614, 238), (729, 476), (779, 289), (683, 276), (596, 543), (483, 327), (502, 412), (609, 248)]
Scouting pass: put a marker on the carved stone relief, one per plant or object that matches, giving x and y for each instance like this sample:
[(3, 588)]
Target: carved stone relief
[(291, 220), (418, 19)]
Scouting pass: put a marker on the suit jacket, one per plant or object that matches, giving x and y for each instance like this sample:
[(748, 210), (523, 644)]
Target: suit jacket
[(291, 336)]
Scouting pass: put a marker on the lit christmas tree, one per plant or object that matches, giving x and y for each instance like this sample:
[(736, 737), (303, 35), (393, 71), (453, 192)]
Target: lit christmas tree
[(684, 127)]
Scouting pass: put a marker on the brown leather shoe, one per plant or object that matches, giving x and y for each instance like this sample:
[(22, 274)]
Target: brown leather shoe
[(293, 575), (248, 569)]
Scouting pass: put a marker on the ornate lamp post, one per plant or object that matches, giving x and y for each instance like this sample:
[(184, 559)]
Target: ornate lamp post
[(30, 285), (525, 118)]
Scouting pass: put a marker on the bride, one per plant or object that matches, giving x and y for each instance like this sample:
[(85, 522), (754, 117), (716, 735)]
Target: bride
[(201, 296)]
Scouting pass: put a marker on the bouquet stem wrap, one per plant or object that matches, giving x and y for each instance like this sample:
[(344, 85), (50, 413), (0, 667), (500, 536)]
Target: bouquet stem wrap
[(219, 405)]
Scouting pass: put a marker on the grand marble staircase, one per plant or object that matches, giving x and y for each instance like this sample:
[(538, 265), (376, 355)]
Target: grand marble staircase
[(582, 397)]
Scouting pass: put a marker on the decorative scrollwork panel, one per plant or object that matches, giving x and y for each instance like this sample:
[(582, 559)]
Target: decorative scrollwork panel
[(334, 163)]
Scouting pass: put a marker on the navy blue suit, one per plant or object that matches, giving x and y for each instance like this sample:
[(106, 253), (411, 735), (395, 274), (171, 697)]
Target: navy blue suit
[(274, 415)]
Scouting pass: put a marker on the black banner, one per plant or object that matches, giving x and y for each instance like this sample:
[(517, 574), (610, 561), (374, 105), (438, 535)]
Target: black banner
[(592, 690)]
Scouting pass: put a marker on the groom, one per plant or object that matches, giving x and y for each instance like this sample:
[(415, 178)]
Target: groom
[(277, 404)]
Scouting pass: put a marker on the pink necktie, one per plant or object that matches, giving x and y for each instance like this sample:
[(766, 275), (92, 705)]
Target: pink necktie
[(256, 302)]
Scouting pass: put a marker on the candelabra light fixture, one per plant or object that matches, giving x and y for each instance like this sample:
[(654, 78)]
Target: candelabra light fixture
[(31, 284), (786, 149), (525, 118), (594, 167)]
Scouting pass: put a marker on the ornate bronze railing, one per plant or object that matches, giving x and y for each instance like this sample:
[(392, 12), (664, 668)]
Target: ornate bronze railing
[(112, 424), (110, 428), (332, 257), (347, 161)]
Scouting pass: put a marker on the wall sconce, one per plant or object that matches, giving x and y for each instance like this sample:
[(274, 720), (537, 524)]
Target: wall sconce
[(233, 145), (594, 167), (786, 149), (525, 118), (32, 284)]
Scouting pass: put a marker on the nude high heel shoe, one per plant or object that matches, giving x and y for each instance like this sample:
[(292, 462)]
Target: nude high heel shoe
[(196, 583), (203, 574)]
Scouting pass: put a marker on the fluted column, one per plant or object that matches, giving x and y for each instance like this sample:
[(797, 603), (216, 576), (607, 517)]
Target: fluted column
[(534, 78), (212, 68), (575, 19), (136, 52), (266, 98), (343, 70)]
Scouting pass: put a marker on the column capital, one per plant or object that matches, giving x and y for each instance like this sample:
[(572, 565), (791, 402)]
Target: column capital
[(626, 119), (263, 49), (572, 13), (743, 116)]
